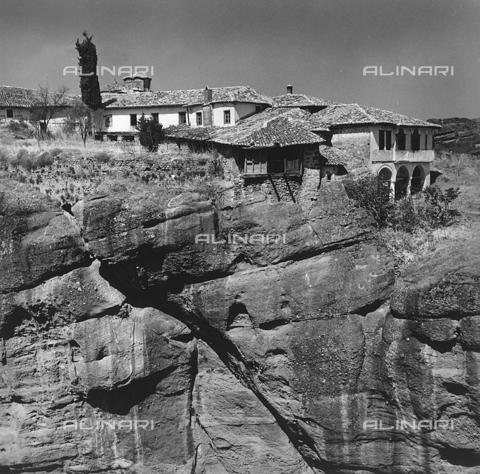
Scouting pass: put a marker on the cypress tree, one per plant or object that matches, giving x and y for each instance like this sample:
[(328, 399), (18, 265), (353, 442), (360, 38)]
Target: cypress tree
[(89, 84)]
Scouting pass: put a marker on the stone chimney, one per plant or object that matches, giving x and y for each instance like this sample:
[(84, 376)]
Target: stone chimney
[(289, 89), (207, 107), (207, 95), (137, 83), (147, 81)]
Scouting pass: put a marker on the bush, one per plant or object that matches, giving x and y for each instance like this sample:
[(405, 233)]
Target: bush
[(24, 160), (43, 160), (30, 162), (430, 209), (4, 158), (371, 195), (215, 167), (17, 126), (440, 212), (102, 157), (56, 152), (151, 133)]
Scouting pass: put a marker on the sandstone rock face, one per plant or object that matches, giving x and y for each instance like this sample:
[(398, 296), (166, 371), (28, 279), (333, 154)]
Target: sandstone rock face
[(445, 287), (36, 241), (130, 344)]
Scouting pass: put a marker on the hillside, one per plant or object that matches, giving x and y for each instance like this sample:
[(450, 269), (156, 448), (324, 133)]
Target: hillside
[(458, 135)]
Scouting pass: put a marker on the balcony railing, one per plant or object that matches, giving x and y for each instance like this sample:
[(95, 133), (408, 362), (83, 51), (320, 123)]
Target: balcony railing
[(403, 155)]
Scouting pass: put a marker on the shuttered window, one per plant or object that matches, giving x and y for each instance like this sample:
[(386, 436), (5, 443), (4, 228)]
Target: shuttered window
[(256, 161), (273, 161)]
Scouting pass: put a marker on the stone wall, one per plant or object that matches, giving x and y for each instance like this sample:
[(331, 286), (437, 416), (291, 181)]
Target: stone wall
[(273, 189), (356, 142)]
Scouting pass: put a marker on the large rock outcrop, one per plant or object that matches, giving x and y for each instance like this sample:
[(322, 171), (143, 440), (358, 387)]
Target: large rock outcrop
[(144, 336)]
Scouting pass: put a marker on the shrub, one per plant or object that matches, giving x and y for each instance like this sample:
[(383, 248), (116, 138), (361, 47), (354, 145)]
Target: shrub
[(151, 133), (430, 209), (408, 215), (24, 160), (440, 212), (56, 152), (371, 195), (102, 157), (4, 158), (215, 166), (17, 126), (43, 160)]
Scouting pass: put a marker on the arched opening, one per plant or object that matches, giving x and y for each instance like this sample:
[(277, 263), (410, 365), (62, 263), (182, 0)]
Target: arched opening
[(385, 181), (385, 175), (401, 183), (418, 179)]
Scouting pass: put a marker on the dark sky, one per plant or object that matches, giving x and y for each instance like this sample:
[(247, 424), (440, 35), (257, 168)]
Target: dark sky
[(319, 46)]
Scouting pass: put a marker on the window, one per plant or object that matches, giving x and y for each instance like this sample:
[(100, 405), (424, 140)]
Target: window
[(276, 161), (182, 118), (199, 118), (9, 113), (385, 140), (155, 116), (256, 161), (262, 161), (226, 116), (415, 140), (108, 121), (283, 160), (401, 140), (133, 120)]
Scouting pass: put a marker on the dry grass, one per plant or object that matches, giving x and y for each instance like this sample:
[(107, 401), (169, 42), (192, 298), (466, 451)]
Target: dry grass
[(67, 171)]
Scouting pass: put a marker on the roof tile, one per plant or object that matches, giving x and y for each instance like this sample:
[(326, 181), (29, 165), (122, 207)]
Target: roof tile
[(355, 114), (20, 97), (185, 97), (272, 127), (299, 100)]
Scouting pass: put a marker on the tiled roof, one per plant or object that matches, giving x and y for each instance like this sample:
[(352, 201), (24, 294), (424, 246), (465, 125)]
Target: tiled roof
[(186, 97), (113, 87), (355, 114), (206, 133), (232, 94), (17, 96), (299, 100), (272, 127), (334, 156), (21, 97)]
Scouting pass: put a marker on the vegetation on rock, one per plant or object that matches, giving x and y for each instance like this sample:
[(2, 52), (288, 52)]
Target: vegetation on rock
[(430, 209)]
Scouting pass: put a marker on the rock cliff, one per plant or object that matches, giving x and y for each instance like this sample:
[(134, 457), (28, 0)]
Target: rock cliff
[(129, 344)]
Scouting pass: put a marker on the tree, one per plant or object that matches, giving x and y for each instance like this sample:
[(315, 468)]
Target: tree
[(151, 133), (80, 118), (45, 106), (87, 61)]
